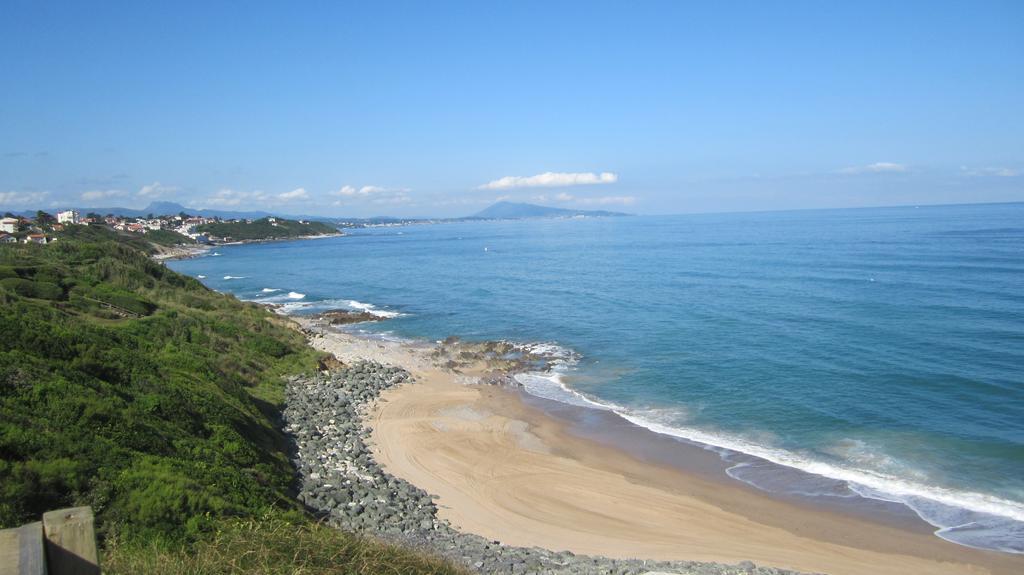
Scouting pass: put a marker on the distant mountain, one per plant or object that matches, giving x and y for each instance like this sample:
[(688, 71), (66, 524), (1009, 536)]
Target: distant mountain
[(517, 211)]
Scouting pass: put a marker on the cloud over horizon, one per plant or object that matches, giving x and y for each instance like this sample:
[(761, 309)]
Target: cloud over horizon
[(587, 201), (551, 180), (93, 195), (379, 195), (298, 194), (22, 198), (351, 191), (232, 198), (996, 172), (156, 189), (875, 168)]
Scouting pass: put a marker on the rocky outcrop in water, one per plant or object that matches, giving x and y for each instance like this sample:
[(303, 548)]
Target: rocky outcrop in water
[(344, 316), (499, 361), (340, 481)]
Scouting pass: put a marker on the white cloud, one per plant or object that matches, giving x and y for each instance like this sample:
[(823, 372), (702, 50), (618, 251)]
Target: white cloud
[(93, 195), (352, 191), (21, 198), (468, 201), (377, 195), (608, 200), (551, 180), (296, 194), (155, 189), (229, 198), (400, 198), (997, 172), (592, 201), (876, 168)]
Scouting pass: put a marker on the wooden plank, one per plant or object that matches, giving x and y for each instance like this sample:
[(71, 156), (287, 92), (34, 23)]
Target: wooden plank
[(71, 542), (21, 550)]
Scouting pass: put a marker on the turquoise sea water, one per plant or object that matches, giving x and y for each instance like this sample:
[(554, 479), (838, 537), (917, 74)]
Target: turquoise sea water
[(844, 353)]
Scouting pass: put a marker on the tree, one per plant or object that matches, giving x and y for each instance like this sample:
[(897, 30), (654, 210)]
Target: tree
[(43, 217)]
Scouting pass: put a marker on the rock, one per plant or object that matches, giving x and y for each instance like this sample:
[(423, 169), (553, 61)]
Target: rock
[(330, 363), (339, 479)]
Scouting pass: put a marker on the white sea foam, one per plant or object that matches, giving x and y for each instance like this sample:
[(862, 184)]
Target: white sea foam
[(550, 385), (969, 518), (202, 277), (293, 307), (296, 295), (879, 482), (235, 277), (270, 290), (370, 308)]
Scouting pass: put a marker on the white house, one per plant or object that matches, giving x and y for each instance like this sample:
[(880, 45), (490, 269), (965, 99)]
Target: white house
[(9, 225), (67, 217)]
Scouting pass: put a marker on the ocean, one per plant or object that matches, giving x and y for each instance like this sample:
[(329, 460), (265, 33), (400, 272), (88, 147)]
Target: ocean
[(855, 353)]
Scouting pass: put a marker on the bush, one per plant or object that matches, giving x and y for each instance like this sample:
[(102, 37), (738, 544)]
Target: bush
[(33, 289), (162, 423), (122, 299)]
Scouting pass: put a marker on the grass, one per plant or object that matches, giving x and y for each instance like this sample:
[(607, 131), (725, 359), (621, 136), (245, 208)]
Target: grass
[(136, 390), (273, 547)]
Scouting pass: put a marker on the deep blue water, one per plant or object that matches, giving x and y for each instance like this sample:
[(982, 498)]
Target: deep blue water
[(881, 350)]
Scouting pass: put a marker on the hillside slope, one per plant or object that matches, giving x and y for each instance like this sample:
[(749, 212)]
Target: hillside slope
[(138, 391), (265, 229)]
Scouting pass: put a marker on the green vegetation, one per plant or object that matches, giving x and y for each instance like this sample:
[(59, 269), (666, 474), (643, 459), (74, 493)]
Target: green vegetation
[(264, 229), (138, 391), (167, 238), (272, 547)]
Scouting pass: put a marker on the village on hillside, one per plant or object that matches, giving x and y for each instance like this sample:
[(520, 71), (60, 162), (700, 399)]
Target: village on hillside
[(42, 228)]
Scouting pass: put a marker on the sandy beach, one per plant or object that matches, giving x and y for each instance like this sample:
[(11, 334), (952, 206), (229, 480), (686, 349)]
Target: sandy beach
[(514, 473)]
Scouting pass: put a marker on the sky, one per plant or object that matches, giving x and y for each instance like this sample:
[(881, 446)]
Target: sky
[(441, 108)]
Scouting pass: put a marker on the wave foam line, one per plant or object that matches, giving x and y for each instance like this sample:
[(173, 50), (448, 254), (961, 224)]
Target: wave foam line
[(371, 309), (552, 386), (883, 483)]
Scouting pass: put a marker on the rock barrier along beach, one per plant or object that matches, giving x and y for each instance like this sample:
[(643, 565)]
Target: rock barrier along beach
[(341, 481), (430, 444)]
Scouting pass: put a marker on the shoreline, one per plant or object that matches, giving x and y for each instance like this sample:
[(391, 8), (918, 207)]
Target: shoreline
[(473, 444), (185, 252), (272, 240)]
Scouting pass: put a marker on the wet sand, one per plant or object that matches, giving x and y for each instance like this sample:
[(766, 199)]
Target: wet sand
[(506, 468)]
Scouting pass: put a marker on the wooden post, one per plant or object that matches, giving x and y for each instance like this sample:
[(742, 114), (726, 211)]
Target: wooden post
[(71, 542), (21, 550)]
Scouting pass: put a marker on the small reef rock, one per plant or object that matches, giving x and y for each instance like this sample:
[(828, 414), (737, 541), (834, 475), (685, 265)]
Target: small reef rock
[(344, 316), (498, 362), (340, 481)]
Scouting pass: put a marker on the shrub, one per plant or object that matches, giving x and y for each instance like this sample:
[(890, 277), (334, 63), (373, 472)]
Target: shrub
[(33, 289)]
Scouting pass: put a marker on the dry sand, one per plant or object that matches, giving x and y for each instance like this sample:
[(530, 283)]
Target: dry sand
[(513, 473)]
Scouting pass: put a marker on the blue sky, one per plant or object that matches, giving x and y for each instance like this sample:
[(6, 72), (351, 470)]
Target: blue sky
[(438, 109)]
